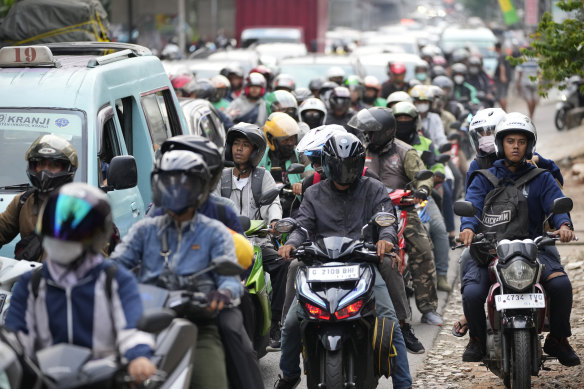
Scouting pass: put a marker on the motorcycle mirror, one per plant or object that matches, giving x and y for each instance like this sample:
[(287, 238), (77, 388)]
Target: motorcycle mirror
[(295, 168), (445, 147), (383, 219), (443, 158), (562, 205), (245, 221), (286, 225), (154, 320), (225, 266), (464, 208), (423, 175), (269, 196), (454, 136)]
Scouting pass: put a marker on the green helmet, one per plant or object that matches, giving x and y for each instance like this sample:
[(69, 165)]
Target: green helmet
[(282, 101), (354, 82)]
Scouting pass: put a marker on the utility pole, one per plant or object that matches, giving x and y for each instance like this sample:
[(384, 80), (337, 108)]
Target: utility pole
[(180, 28)]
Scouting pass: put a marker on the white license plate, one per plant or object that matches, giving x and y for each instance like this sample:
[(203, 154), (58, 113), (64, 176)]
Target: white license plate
[(333, 273), (519, 300)]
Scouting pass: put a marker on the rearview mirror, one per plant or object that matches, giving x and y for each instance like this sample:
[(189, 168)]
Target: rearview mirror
[(445, 147), (455, 125), (245, 222), (562, 205), (225, 266), (122, 173), (269, 196), (383, 219), (286, 225), (154, 320), (443, 158), (464, 208), (295, 168), (423, 175)]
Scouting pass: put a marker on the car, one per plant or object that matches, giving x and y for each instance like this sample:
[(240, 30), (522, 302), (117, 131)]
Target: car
[(376, 64), (115, 109), (203, 120), (258, 35), (208, 64), (480, 40), (304, 69), (392, 37)]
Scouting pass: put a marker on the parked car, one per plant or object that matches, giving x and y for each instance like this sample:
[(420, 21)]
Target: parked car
[(304, 69)]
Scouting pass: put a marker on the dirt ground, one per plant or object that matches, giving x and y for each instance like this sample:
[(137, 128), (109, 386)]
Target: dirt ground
[(443, 367)]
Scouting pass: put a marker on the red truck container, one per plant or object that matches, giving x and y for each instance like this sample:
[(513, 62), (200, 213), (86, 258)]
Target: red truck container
[(309, 15)]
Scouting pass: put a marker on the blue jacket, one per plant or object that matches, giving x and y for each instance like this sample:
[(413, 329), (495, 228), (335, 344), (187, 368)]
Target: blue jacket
[(543, 163), (191, 249), (81, 314), (541, 192)]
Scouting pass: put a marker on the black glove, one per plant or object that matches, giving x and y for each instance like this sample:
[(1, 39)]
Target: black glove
[(421, 193), (220, 295)]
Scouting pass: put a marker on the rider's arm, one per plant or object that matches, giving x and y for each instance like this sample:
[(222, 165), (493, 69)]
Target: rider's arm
[(9, 221), (272, 211), (19, 313), (549, 191), (129, 252), (306, 217), (413, 164)]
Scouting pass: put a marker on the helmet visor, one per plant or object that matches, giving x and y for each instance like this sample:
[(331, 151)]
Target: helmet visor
[(177, 190), (365, 122), (343, 171), (68, 218)]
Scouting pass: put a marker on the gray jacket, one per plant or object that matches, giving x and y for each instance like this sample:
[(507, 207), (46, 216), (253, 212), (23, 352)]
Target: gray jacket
[(327, 211)]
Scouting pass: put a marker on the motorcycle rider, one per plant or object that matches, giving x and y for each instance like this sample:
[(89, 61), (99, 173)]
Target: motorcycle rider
[(421, 71), (344, 192), (234, 74), (245, 146), (515, 140), (340, 109), (396, 97), (282, 101), (314, 85), (396, 163), (72, 282), (249, 107), (371, 93), (312, 112), (204, 89), (480, 80), (355, 86), (463, 92), (439, 101), (336, 74), (285, 82), (186, 241), (52, 162), (222, 86), (431, 124), (396, 82)]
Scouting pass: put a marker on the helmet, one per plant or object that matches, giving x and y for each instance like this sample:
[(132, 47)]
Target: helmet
[(75, 219), (282, 101), (315, 84), (372, 82), (312, 112), (326, 88), (222, 85), (312, 143), (200, 145), (405, 131), (515, 122), (264, 71), (255, 79), (183, 83), (343, 158), (285, 82), (254, 136), (398, 96), (475, 60), (438, 70), (443, 82), (233, 69), (180, 180), (378, 124), (421, 64), (301, 94), (279, 125), (459, 55), (458, 68), (340, 98), (439, 60), (438, 98), (203, 89), (428, 51), (396, 68), (56, 149), (413, 82), (421, 93), (354, 82), (483, 124), (335, 73)]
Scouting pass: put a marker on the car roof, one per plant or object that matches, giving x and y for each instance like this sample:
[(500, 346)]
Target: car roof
[(318, 59), (384, 58)]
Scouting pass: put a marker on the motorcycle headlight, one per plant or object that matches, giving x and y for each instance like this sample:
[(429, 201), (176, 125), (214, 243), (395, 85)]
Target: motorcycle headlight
[(564, 97), (519, 274)]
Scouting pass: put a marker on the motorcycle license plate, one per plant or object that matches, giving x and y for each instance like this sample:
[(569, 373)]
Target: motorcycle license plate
[(519, 300), (333, 273)]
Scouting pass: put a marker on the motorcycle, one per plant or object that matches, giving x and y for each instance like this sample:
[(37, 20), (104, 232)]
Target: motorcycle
[(10, 271), (334, 287), (569, 112), (516, 303), (288, 199)]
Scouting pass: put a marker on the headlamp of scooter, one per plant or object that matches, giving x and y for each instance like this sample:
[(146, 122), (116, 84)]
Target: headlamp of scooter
[(519, 274)]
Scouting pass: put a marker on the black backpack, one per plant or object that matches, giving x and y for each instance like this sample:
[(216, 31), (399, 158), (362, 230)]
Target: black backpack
[(505, 211)]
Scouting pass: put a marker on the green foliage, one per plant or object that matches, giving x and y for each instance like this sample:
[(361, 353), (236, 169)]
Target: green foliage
[(559, 47), (5, 7)]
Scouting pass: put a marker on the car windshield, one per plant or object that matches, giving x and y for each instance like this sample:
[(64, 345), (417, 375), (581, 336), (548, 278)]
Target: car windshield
[(20, 127), (303, 73)]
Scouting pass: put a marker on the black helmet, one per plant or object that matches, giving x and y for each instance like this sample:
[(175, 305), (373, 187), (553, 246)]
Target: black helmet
[(343, 158), (180, 180), (438, 70), (75, 219), (253, 134), (54, 148), (200, 145), (377, 123), (459, 55), (327, 86), (204, 89), (340, 98), (315, 84), (458, 68), (301, 94)]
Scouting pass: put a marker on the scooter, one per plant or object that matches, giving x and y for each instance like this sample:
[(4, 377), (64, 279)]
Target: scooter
[(10, 271), (516, 303), (334, 288), (569, 111)]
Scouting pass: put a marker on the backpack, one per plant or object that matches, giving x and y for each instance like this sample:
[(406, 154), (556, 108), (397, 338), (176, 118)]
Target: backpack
[(505, 211), (257, 178), (29, 247)]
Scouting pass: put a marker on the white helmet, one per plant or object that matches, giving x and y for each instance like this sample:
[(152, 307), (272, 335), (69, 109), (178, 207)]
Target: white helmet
[(312, 104), (312, 143), (397, 97), (515, 122), (483, 124), (335, 71)]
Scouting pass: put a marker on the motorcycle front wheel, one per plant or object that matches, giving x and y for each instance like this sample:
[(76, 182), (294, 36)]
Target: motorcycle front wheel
[(560, 119), (521, 362), (333, 373)]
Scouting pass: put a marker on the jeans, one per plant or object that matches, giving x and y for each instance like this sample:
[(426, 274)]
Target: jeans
[(448, 204), (437, 233), (292, 346)]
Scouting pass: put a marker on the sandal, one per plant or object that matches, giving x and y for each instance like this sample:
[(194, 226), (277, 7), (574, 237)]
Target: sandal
[(462, 327)]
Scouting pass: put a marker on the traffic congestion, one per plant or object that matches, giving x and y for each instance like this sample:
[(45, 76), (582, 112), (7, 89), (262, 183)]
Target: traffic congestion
[(285, 207)]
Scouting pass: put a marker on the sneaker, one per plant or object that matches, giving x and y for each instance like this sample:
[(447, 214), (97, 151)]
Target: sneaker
[(286, 383), (443, 284), (275, 337), (413, 345), (561, 349), (432, 318), (474, 351)]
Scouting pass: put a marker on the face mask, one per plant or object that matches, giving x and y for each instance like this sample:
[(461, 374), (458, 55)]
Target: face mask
[(61, 251), (473, 70), (423, 108), (458, 79), (286, 151), (421, 76), (405, 130), (487, 144)]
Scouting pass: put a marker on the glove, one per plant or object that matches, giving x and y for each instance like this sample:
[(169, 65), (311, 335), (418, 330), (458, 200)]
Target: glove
[(421, 193), (220, 295)]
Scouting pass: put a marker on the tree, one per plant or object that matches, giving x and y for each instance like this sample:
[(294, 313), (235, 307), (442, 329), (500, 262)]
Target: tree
[(559, 47), (5, 7)]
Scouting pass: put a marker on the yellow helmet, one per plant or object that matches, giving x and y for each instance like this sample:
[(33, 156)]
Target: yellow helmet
[(279, 125)]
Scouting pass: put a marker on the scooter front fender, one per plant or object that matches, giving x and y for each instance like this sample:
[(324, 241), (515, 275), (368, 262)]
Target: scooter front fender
[(332, 339), (518, 322)]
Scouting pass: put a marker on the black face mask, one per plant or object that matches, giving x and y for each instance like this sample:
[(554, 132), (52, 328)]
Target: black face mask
[(368, 99), (405, 131), (313, 119), (286, 151)]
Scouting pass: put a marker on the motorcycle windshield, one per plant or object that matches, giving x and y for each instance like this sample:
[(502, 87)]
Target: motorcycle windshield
[(335, 247), (507, 249)]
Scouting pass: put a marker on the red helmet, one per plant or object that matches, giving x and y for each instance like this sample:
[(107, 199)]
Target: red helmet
[(264, 71), (255, 79), (180, 81), (397, 68)]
